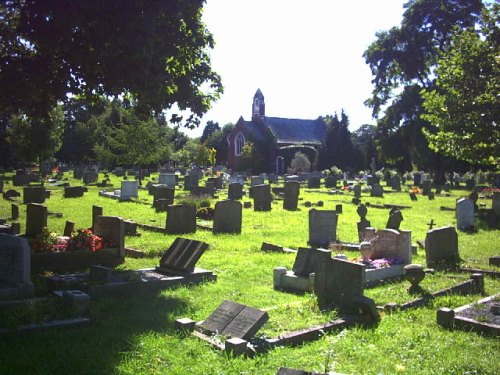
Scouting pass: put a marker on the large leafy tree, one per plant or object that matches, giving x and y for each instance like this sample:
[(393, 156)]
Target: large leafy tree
[(402, 61), (209, 129), (36, 139), (218, 141), (337, 148), (156, 50), (464, 107)]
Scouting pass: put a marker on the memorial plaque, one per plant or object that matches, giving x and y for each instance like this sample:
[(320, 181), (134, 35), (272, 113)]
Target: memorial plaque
[(304, 262), (183, 254), (235, 320)]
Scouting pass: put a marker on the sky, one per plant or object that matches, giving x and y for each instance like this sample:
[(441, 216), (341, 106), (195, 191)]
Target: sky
[(305, 56)]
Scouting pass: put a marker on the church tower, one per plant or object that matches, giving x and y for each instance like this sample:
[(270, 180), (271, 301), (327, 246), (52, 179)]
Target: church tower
[(258, 106)]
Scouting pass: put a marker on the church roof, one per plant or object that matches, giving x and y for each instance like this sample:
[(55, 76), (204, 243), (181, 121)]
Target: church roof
[(288, 130)]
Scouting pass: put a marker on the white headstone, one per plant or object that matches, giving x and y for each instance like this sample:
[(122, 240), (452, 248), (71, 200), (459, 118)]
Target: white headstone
[(129, 189), (465, 213), (167, 179)]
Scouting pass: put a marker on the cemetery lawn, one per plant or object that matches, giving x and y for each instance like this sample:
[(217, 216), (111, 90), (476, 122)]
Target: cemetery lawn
[(136, 335)]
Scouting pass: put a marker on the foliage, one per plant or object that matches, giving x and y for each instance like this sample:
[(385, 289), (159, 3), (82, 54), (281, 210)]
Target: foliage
[(299, 163), (402, 61), (85, 240), (251, 158), (209, 129), (201, 201), (218, 140), (36, 139), (464, 107), (337, 148), (155, 52)]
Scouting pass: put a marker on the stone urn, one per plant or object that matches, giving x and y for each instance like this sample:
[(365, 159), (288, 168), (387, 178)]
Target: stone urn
[(414, 274), (366, 250)]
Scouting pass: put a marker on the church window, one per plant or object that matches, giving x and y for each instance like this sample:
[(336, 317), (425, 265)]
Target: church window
[(239, 142)]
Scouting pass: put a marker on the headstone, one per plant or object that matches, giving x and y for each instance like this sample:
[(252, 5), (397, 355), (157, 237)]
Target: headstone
[(181, 218), (417, 178), (163, 192), (36, 219), (330, 181), (190, 181), (304, 262), (167, 179), (227, 217), (161, 205), (292, 191), (78, 173), (396, 183), (68, 228), (395, 219), (90, 177), (431, 195), (15, 268), (96, 212), (235, 190), (14, 211), (390, 243), (235, 320), (74, 191), (377, 191), (322, 227), (34, 194), (256, 181), (112, 230), (313, 182), (495, 203), (363, 223), (119, 172), (262, 197), (373, 166), (357, 191), (441, 247), (465, 214), (426, 187), (339, 208), (470, 184), (182, 255), (129, 189), (413, 197), (338, 282)]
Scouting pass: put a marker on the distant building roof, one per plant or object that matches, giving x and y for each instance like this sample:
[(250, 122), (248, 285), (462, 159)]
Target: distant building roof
[(288, 130)]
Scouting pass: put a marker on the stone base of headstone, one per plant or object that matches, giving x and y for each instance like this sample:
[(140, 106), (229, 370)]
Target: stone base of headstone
[(235, 346), (288, 281), (184, 325), (494, 261)]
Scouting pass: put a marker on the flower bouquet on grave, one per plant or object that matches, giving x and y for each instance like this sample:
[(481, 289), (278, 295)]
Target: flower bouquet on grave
[(378, 263), (48, 242), (85, 240)]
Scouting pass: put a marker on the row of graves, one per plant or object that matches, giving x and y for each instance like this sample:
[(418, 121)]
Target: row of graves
[(337, 282)]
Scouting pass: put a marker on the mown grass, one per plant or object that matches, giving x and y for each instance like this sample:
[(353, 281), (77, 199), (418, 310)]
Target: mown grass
[(136, 335)]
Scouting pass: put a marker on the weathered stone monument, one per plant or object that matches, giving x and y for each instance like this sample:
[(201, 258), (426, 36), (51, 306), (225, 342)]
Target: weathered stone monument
[(314, 182), (181, 218), (36, 219), (363, 223), (34, 194), (167, 179), (292, 191), (395, 219), (465, 214), (129, 189), (235, 190), (441, 247), (377, 191), (262, 197), (322, 227), (227, 217), (15, 268)]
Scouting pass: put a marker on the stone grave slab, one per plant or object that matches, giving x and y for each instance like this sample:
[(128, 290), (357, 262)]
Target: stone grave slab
[(441, 247), (15, 268), (235, 190), (235, 320), (181, 218), (129, 189), (167, 179), (322, 227), (465, 214), (292, 191), (182, 255), (262, 197), (36, 219), (227, 217), (74, 191)]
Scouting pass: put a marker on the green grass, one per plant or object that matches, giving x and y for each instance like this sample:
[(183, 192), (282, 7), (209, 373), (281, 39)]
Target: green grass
[(135, 335)]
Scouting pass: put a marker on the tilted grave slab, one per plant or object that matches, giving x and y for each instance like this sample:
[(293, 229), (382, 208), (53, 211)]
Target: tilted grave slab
[(177, 267)]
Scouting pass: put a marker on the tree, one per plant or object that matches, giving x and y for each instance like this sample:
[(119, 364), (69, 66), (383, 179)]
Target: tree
[(156, 51), (218, 141), (36, 139), (299, 163), (464, 107), (209, 129), (337, 147), (363, 141), (402, 61)]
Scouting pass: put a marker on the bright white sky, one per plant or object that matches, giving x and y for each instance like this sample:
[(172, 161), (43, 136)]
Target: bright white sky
[(305, 56)]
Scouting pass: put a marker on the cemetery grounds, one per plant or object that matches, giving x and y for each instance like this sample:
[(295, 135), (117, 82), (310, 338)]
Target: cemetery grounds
[(136, 335)]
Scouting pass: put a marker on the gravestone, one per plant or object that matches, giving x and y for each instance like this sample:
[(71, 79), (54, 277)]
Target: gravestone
[(163, 192), (236, 179), (292, 191), (330, 181), (413, 197), (90, 177), (96, 212), (357, 191), (181, 218), (190, 181), (14, 208), (235, 190), (112, 230), (78, 173), (495, 203), (34, 194), (258, 180), (395, 219), (69, 227), (36, 219), (161, 205), (396, 183), (262, 197), (304, 262), (129, 189), (74, 191), (119, 172), (182, 256), (417, 179), (363, 223), (441, 247), (338, 282), (465, 214), (470, 184), (431, 195), (322, 227), (426, 187), (227, 217), (167, 179), (21, 180), (377, 191), (314, 182), (390, 243), (15, 268), (235, 320), (210, 188)]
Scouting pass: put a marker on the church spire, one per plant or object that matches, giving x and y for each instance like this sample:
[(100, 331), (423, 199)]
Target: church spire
[(258, 106)]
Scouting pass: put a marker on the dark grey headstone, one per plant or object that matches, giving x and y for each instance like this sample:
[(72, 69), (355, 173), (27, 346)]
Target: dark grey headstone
[(465, 214), (74, 191), (235, 190), (395, 219), (322, 227), (227, 217), (262, 197), (181, 218), (15, 267), (235, 320), (377, 191), (96, 212), (167, 179), (330, 181), (357, 191), (292, 191), (182, 255), (112, 230), (426, 187), (313, 182), (69, 228), (413, 197), (90, 177), (34, 194), (441, 247), (14, 208), (304, 262), (36, 219)]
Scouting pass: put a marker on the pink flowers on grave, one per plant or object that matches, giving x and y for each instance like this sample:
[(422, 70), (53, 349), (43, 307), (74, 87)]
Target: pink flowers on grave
[(380, 263), (81, 240), (85, 240)]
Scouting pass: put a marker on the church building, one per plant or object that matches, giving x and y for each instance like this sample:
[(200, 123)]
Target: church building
[(276, 138)]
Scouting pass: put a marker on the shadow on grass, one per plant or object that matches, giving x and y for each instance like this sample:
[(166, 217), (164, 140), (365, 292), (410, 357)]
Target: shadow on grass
[(116, 327)]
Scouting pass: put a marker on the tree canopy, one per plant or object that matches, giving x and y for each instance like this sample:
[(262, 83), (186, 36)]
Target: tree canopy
[(464, 106), (154, 50)]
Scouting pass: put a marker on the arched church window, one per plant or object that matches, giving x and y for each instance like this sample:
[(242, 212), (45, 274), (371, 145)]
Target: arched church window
[(239, 142)]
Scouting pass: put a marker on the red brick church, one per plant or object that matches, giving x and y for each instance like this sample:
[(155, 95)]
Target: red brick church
[(282, 137)]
